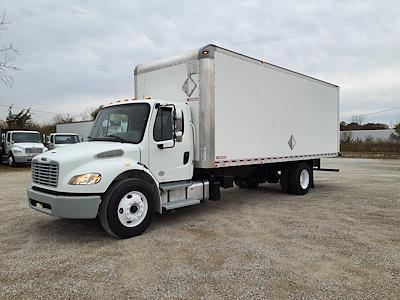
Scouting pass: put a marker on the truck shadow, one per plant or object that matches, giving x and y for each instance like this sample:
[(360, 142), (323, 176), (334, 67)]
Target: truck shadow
[(69, 231), (232, 201)]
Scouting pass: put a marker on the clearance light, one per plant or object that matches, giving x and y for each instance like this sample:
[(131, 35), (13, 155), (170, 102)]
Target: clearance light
[(85, 179), (147, 98), (205, 52)]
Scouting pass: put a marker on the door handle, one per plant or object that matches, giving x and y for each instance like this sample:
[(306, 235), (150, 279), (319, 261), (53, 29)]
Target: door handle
[(186, 157)]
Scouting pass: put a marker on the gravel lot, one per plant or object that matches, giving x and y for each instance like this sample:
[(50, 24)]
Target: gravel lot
[(342, 240)]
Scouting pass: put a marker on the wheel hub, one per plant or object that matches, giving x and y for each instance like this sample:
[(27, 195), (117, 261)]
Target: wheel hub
[(132, 209), (304, 179)]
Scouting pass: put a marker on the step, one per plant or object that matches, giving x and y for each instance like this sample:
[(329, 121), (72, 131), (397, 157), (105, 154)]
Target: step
[(180, 203), (175, 185)]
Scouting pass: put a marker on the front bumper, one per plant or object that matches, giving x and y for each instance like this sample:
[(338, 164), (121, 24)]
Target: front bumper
[(69, 207), (24, 159)]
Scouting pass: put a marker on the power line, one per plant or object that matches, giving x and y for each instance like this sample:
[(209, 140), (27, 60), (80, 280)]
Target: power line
[(372, 113), (36, 110)]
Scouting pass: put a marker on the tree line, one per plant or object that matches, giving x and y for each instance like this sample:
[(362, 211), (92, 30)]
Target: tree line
[(22, 119)]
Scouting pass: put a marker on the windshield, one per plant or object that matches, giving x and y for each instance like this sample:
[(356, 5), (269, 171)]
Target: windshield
[(26, 137), (121, 123), (66, 139)]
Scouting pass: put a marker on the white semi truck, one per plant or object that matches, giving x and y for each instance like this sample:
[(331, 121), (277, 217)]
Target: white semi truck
[(200, 121), (20, 146)]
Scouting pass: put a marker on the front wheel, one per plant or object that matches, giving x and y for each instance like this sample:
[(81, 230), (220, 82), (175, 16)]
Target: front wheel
[(127, 208), (11, 160)]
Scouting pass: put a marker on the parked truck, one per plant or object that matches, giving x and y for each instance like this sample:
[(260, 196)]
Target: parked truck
[(199, 122), (20, 146), (58, 140), (81, 128)]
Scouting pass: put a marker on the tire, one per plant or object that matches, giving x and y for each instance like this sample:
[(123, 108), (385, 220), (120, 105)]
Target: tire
[(127, 208), (300, 179), (11, 160), (284, 179), (238, 182), (248, 182)]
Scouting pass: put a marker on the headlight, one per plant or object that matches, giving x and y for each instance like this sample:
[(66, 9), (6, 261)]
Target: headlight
[(89, 178), (17, 151)]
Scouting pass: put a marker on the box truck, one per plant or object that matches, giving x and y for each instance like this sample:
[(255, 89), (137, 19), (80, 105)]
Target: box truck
[(20, 146), (81, 128), (199, 122)]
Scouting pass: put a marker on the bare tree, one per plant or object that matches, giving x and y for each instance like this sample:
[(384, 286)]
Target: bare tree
[(90, 113), (8, 55), (357, 119), (65, 118)]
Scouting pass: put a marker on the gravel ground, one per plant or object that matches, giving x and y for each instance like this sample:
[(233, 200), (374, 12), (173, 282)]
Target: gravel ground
[(342, 240)]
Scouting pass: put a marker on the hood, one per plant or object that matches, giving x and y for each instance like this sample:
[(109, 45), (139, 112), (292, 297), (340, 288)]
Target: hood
[(81, 153)]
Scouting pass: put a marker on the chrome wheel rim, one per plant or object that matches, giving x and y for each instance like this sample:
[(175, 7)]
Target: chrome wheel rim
[(304, 179), (10, 161), (132, 209)]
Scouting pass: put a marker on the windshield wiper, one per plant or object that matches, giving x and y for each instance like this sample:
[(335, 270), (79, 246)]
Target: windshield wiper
[(122, 140), (105, 138)]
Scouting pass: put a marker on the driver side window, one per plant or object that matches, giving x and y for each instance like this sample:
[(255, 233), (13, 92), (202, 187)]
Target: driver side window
[(163, 126)]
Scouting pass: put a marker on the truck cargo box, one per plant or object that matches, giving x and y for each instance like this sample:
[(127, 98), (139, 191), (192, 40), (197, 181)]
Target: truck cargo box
[(246, 111)]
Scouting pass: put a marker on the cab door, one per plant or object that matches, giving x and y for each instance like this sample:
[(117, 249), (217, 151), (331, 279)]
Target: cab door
[(169, 158)]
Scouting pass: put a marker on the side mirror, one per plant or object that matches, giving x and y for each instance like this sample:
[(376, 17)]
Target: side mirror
[(178, 136), (178, 125), (178, 120)]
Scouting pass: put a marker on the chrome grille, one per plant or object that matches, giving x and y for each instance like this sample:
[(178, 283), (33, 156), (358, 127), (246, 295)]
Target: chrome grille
[(33, 150), (45, 173)]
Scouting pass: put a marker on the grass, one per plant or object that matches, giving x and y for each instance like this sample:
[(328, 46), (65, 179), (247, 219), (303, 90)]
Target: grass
[(370, 148)]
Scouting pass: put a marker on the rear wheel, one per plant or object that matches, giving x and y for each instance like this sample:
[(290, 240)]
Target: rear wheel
[(127, 208), (300, 179), (248, 182)]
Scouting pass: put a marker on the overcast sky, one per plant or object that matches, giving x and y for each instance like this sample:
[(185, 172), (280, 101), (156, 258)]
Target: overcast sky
[(75, 54)]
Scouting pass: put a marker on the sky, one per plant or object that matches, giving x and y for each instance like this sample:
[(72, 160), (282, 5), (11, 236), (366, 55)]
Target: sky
[(76, 54)]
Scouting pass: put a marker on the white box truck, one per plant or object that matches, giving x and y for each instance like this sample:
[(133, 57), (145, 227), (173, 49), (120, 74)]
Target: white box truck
[(81, 128), (200, 121)]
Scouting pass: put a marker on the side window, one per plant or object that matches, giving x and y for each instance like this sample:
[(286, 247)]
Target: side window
[(163, 125), (8, 136)]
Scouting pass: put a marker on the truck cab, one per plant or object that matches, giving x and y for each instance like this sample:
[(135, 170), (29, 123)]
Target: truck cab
[(138, 161), (20, 146), (58, 140)]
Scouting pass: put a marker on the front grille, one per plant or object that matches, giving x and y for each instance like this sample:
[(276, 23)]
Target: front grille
[(45, 173), (33, 150)]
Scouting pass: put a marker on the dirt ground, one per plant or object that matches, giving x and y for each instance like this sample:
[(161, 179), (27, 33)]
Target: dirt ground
[(342, 240)]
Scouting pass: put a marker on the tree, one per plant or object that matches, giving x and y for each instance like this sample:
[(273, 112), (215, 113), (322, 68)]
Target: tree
[(96, 111), (8, 55), (357, 119), (60, 119), (397, 128), (18, 120)]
